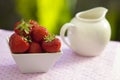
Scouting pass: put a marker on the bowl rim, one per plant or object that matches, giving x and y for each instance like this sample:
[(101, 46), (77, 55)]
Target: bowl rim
[(37, 53)]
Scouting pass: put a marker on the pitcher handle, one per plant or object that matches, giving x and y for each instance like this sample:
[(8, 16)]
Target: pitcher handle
[(62, 33)]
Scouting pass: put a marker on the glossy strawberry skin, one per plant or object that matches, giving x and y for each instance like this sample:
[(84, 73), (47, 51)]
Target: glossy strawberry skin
[(17, 30), (38, 33), (34, 48), (18, 44), (52, 46)]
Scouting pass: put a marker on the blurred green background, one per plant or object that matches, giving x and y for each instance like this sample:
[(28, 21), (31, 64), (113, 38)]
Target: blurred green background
[(52, 14)]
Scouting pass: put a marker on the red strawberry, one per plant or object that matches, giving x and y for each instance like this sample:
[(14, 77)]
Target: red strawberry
[(23, 28), (35, 48), (51, 44), (18, 44), (38, 33), (34, 23)]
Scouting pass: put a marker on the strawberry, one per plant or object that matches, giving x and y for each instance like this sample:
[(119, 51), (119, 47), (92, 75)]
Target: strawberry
[(34, 48), (51, 44), (38, 33), (23, 28), (18, 44), (33, 23)]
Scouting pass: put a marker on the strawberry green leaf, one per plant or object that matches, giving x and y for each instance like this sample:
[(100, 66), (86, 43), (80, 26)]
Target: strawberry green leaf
[(24, 26), (49, 38), (27, 38)]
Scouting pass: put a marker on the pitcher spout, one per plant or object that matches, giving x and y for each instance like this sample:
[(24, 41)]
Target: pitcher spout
[(92, 14)]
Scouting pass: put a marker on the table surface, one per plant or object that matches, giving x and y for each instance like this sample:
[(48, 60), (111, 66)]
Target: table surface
[(69, 66)]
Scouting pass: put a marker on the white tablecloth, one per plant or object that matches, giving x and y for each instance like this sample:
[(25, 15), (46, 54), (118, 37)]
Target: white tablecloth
[(70, 66)]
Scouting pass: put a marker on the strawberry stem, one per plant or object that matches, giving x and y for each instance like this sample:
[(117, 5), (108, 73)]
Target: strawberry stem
[(49, 38), (27, 38), (24, 26)]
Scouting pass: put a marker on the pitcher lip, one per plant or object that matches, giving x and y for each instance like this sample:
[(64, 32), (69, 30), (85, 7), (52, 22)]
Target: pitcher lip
[(92, 19)]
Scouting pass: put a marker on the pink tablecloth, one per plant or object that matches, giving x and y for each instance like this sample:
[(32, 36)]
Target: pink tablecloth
[(69, 67)]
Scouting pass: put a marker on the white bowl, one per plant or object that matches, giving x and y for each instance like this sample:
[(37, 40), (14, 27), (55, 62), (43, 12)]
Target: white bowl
[(35, 62)]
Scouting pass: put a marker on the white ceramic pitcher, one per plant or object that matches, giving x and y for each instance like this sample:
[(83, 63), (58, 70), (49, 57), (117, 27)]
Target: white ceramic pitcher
[(88, 32)]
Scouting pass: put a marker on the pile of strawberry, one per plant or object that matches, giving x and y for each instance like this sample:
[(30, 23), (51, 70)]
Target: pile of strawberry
[(30, 37)]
